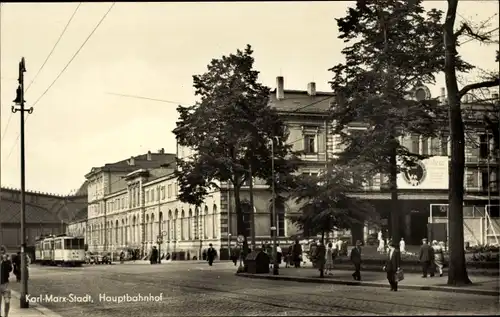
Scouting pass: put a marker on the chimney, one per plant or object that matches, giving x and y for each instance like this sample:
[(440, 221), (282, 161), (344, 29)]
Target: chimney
[(131, 162), (161, 151), (149, 158), (311, 89), (280, 88)]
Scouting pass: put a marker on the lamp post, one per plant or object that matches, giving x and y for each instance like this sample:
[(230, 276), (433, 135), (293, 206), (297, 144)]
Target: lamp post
[(229, 246), (159, 240), (273, 228)]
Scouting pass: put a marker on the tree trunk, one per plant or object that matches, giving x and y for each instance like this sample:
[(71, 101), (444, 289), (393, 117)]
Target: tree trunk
[(393, 185), (457, 272), (240, 224)]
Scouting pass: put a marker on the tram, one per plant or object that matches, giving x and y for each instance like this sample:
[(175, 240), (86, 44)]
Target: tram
[(60, 250)]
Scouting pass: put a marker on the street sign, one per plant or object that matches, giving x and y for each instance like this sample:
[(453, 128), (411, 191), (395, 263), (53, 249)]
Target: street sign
[(241, 238)]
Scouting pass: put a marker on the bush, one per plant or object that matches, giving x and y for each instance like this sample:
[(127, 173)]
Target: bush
[(482, 249)]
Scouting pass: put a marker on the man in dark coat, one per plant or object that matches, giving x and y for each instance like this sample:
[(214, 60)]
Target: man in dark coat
[(356, 260), (319, 257), (425, 257), (211, 254), (154, 255), (17, 266), (392, 265), (296, 253)]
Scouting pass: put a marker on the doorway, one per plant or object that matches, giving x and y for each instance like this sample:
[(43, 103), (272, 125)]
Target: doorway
[(419, 222)]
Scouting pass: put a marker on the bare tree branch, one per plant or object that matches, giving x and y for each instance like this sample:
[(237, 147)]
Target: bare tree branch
[(483, 84)]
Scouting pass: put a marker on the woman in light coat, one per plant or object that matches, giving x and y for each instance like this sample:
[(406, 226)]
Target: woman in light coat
[(438, 256)]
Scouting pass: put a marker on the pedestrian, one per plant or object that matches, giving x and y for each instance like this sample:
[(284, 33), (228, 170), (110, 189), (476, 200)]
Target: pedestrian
[(297, 253), (438, 257), (319, 257), (329, 259), (211, 254), (122, 257), (279, 253), (16, 269), (381, 242), (392, 266), (154, 255), (5, 269), (356, 260), (426, 258), (402, 246)]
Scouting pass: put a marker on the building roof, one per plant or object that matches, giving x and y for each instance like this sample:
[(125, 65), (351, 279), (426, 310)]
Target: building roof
[(11, 213), (146, 161), (301, 102)]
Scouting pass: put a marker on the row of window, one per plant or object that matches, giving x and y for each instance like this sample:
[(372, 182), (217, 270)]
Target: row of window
[(416, 144), (160, 193)]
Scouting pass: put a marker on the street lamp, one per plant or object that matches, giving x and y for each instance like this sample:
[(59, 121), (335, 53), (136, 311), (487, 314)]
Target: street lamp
[(273, 228), (159, 240)]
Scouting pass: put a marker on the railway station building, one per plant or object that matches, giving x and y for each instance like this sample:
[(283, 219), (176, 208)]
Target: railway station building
[(132, 203)]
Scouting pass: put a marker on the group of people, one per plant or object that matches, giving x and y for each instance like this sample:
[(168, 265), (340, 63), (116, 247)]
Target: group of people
[(8, 265), (324, 259), (431, 258)]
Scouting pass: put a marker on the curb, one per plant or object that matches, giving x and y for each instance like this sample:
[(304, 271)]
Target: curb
[(372, 268), (370, 284), (41, 309)]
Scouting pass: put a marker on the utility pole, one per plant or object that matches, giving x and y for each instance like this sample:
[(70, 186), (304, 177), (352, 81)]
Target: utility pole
[(20, 101)]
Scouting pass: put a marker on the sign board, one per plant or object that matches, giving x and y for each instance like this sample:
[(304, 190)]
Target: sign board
[(241, 238), (431, 173), (160, 240)]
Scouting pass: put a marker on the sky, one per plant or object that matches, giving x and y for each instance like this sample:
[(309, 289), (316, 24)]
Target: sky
[(152, 50)]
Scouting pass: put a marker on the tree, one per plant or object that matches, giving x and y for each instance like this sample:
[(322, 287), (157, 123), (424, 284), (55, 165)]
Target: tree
[(392, 47), (325, 203), (229, 131), (457, 273)]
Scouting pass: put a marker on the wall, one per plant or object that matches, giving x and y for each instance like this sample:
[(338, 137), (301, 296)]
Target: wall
[(475, 230)]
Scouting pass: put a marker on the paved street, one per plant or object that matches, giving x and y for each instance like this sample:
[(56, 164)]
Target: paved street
[(197, 289)]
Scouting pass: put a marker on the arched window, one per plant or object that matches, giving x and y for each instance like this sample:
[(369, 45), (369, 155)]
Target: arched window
[(215, 222), (169, 226), (160, 220), (280, 215), (117, 224), (122, 233), (183, 225), (246, 210), (205, 223), (176, 223), (134, 223), (196, 223), (152, 228), (190, 224), (146, 229)]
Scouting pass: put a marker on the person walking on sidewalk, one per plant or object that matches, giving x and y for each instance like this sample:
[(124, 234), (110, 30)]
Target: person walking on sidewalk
[(392, 266), (329, 260), (5, 269), (426, 258), (438, 257), (297, 253), (211, 254), (356, 260)]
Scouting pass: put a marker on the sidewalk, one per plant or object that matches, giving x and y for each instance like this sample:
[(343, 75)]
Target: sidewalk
[(482, 285), (139, 262), (35, 310)]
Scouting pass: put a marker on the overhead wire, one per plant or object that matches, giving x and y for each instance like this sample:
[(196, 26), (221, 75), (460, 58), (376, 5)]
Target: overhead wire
[(64, 69), (44, 63)]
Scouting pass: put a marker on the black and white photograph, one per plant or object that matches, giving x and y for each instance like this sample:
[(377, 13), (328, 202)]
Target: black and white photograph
[(249, 158)]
